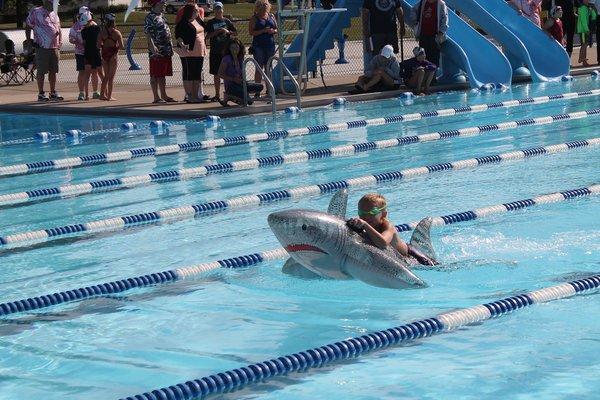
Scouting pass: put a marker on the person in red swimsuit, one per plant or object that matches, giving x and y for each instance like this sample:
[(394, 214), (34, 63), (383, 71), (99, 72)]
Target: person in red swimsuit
[(554, 26), (110, 41)]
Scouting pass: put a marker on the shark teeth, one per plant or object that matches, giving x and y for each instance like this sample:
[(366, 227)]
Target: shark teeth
[(291, 248)]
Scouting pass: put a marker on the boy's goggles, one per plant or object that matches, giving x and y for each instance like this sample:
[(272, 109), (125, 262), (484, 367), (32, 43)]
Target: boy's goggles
[(372, 212)]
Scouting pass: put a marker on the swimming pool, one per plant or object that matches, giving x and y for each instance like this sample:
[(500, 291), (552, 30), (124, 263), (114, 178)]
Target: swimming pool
[(118, 345)]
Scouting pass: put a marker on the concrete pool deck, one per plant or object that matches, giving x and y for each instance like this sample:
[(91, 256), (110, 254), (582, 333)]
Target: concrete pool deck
[(135, 100)]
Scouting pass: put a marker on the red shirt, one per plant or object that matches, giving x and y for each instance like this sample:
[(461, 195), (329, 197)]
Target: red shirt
[(429, 22), (556, 30)]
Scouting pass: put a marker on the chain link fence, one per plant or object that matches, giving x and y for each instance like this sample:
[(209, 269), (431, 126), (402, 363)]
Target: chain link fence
[(345, 59)]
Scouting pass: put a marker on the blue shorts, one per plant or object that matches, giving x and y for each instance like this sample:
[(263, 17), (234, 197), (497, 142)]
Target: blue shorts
[(262, 54)]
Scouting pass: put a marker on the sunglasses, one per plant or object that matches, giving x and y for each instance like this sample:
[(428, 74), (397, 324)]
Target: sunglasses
[(372, 212)]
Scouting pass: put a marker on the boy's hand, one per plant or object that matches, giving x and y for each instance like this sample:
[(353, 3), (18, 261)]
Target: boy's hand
[(356, 223)]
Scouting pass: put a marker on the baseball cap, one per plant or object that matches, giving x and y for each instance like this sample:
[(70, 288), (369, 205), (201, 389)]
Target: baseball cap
[(555, 10), (109, 17), (83, 9), (418, 51), (218, 4), (387, 51)]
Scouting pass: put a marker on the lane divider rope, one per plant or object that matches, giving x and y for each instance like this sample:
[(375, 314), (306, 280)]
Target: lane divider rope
[(355, 347), (124, 155), (162, 124), (228, 167), (259, 199), (243, 261)]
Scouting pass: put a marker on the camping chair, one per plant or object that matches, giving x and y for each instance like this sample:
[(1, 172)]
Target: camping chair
[(16, 69)]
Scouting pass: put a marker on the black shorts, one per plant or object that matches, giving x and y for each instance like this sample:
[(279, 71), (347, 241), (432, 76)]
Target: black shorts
[(92, 58), (381, 39), (237, 90), (79, 62), (214, 61), (192, 68)]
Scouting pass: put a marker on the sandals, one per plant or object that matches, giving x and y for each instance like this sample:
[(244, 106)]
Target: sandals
[(157, 101), (170, 100), (214, 99), (223, 103)]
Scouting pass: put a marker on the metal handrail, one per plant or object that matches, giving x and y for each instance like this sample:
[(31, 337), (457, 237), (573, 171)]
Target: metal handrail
[(287, 72), (266, 78)]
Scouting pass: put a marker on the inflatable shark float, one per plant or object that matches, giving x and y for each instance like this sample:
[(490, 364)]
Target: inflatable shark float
[(323, 245)]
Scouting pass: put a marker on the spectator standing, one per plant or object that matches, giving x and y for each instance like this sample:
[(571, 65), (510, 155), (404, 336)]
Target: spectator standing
[(76, 39), (380, 20), (585, 14), (596, 4), (554, 26), (179, 14), (262, 27), (530, 9), (160, 50), (219, 30), (569, 20), (48, 38), (91, 52), (109, 42), (383, 72), (192, 50), (231, 72), (430, 22), (417, 72)]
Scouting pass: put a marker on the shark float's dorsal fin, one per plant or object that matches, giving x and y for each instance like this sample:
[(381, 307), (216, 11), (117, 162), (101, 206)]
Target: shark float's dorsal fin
[(421, 238), (338, 204)]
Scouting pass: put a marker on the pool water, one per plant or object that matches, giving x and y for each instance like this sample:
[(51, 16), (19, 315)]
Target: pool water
[(120, 345)]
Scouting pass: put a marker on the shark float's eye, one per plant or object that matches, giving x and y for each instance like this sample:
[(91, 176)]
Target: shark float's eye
[(304, 227)]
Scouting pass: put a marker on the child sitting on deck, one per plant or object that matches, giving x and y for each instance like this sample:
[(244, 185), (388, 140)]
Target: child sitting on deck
[(230, 71), (417, 72)]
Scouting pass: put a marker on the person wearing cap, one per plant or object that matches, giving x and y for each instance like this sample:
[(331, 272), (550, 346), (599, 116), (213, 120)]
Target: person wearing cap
[(75, 38), (569, 18), (91, 53), (554, 26), (220, 30), (160, 50), (429, 19), (380, 22), (109, 42), (382, 73), (48, 38), (417, 72)]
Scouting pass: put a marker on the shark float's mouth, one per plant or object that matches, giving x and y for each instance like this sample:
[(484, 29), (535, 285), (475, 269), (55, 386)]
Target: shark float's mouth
[(293, 248)]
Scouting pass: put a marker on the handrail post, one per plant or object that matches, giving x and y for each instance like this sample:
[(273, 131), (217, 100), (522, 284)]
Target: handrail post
[(267, 80), (285, 71)]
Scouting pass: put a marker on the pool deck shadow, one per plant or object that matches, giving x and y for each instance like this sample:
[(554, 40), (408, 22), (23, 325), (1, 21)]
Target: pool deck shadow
[(135, 100)]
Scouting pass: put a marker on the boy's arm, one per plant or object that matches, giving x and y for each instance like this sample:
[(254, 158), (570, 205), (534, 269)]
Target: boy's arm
[(381, 240)]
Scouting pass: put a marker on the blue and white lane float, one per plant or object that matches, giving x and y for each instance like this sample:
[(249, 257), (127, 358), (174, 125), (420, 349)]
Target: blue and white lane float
[(317, 357), (213, 120), (242, 165), (243, 261), (125, 155), (196, 210)]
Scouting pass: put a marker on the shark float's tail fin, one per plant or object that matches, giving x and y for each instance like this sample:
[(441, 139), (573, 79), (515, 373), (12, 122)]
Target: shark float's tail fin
[(421, 240)]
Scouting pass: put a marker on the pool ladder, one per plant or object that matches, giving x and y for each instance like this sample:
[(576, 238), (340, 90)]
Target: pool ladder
[(269, 82)]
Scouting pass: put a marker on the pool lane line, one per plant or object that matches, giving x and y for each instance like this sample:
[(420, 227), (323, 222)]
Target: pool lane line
[(160, 125), (242, 261), (128, 182), (125, 155), (121, 223), (317, 357)]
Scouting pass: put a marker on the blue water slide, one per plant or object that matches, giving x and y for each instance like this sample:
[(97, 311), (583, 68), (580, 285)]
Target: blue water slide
[(466, 51), (524, 43), (324, 29)]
